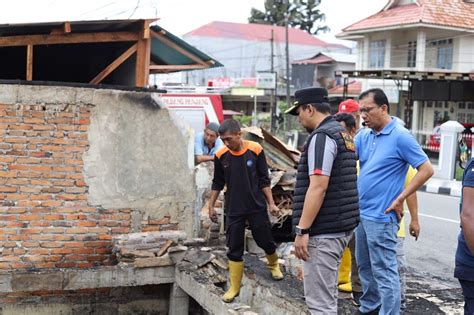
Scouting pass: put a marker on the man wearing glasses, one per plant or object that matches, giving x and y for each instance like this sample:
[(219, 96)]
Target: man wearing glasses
[(385, 151)]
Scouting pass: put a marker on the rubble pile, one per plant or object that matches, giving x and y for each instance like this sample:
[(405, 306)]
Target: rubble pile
[(282, 162), (150, 249)]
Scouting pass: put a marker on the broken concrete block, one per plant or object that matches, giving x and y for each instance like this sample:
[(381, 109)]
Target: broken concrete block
[(153, 262), (177, 253), (199, 258), (252, 247), (218, 262), (194, 242)]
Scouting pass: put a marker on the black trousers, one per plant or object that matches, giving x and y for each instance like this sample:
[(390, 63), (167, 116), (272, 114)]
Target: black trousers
[(261, 232), (468, 292)]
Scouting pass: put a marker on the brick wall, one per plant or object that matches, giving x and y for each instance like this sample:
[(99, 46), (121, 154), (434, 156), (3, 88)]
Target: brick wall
[(45, 220), (79, 166)]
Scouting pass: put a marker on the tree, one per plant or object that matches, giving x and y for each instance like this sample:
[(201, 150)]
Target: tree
[(303, 14)]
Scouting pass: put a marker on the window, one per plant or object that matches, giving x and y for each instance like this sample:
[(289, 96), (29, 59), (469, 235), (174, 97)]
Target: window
[(444, 53), (411, 62), (377, 54)]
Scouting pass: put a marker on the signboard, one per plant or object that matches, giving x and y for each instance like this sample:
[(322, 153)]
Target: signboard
[(191, 107), (266, 80)]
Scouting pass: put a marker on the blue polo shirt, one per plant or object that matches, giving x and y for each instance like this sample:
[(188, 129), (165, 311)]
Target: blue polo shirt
[(464, 258), (384, 159), (200, 147)]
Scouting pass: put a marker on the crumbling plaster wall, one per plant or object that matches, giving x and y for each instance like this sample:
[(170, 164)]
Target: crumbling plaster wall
[(139, 158), (80, 165)]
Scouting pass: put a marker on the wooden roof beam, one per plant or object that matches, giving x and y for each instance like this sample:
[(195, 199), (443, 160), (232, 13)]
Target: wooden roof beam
[(64, 29), (170, 68), (142, 64), (29, 63), (114, 65), (70, 38)]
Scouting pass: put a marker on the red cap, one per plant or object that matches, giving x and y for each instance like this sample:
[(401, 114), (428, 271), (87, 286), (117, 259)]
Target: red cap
[(348, 106)]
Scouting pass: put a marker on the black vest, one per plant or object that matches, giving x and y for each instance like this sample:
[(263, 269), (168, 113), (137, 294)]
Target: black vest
[(340, 209)]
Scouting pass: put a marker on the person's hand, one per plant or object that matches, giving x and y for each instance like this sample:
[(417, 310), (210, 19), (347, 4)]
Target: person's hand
[(213, 215), (301, 246), (414, 229), (273, 209), (397, 207)]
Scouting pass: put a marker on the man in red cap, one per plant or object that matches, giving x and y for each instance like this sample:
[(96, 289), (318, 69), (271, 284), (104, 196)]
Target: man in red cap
[(350, 106)]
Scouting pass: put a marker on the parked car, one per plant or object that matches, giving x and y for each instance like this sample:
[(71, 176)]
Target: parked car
[(434, 140)]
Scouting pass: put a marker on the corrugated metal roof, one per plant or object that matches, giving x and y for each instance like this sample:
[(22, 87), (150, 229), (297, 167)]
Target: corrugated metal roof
[(164, 54)]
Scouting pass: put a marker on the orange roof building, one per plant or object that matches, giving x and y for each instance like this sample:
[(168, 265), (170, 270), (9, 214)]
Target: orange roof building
[(421, 35)]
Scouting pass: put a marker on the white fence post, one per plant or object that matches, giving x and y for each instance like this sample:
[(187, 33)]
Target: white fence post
[(448, 149)]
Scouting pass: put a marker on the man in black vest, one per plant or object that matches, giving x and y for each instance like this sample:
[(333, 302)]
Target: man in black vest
[(325, 203)]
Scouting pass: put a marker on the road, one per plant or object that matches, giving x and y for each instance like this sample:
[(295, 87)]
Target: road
[(434, 251)]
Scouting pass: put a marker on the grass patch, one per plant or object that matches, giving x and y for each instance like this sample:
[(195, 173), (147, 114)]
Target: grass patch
[(459, 172)]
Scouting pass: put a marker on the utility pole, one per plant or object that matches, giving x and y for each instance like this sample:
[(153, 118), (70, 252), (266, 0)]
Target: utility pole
[(272, 92), (287, 52)]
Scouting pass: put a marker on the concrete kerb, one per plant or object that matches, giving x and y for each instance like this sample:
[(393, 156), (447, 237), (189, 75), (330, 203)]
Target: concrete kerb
[(444, 187)]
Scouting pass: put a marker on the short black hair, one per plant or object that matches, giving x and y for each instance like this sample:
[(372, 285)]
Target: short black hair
[(323, 108), (348, 119), (379, 96), (229, 125)]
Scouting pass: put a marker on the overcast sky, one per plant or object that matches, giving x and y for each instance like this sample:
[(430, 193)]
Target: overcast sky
[(177, 16)]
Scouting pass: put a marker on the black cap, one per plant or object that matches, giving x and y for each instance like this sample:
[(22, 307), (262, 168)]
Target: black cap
[(308, 96)]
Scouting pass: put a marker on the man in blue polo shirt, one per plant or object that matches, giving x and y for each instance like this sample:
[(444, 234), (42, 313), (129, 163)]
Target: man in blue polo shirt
[(207, 143), (464, 270), (385, 151)]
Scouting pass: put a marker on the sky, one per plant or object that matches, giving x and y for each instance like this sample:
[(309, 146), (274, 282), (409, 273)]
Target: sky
[(177, 16)]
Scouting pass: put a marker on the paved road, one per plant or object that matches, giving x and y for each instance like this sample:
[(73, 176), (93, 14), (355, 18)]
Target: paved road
[(434, 251)]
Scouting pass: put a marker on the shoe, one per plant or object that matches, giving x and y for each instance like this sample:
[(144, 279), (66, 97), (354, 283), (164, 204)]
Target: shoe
[(356, 298), (274, 266), (374, 312), (236, 270), (345, 287)]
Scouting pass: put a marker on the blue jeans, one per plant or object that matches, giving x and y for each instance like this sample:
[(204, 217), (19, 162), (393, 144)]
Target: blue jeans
[(376, 256)]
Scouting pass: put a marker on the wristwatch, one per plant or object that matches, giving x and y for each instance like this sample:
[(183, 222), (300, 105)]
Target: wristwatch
[(299, 231)]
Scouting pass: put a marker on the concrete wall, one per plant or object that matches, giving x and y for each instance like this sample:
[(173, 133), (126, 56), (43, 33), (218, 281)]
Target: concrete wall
[(78, 166), (145, 300), (138, 158)]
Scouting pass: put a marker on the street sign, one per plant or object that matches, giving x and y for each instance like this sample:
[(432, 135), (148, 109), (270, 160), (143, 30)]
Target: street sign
[(266, 80)]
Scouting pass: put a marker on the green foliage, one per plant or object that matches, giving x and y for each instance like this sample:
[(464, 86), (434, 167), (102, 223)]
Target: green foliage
[(303, 14), (244, 120)]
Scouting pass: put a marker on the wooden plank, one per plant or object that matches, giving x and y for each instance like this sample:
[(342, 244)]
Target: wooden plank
[(182, 51), (67, 27), (142, 65), (71, 38), (114, 65), (63, 29), (168, 68), (29, 62)]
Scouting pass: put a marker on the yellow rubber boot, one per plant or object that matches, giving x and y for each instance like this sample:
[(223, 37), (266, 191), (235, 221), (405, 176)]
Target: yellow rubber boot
[(345, 268), (274, 266), (236, 270)]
